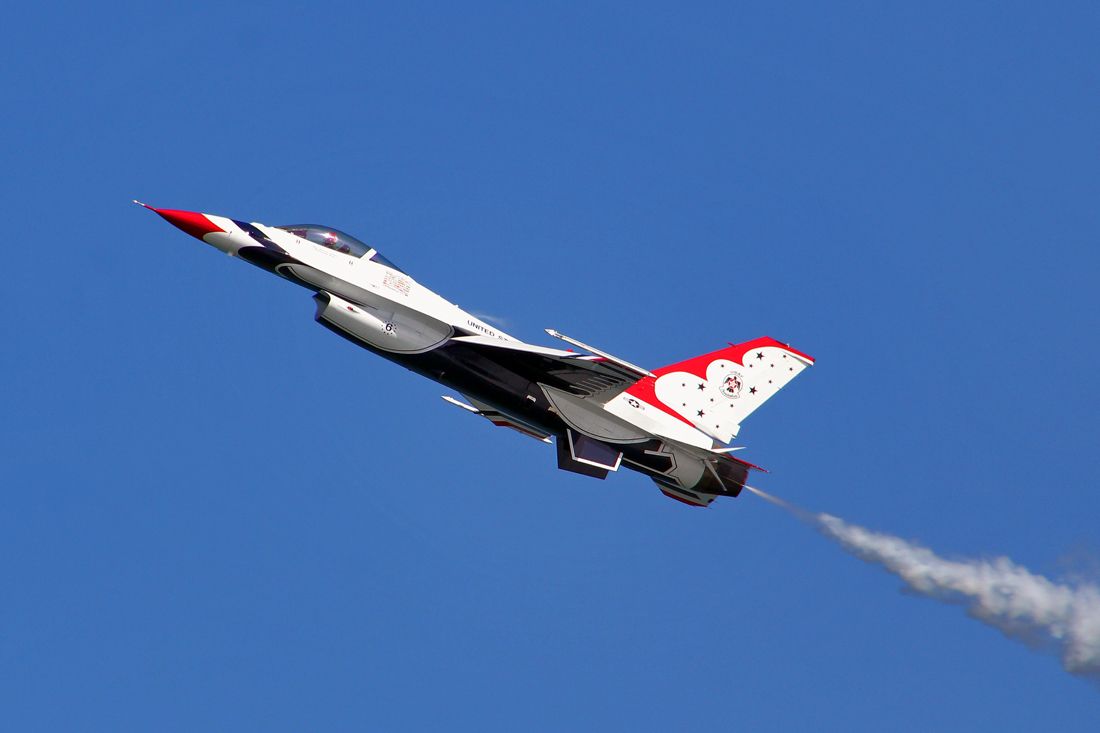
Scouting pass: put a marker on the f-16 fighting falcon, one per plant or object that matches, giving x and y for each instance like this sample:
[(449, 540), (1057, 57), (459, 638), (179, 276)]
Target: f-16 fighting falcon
[(673, 424)]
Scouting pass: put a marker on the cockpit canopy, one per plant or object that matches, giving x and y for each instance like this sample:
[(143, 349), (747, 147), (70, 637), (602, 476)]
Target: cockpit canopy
[(337, 240)]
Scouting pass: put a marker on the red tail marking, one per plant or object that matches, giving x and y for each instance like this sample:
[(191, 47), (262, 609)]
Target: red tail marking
[(643, 389)]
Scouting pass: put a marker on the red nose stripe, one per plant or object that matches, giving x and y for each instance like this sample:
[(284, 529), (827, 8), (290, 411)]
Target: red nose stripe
[(191, 222)]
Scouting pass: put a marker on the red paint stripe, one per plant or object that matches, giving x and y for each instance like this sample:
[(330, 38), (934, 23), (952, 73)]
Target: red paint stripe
[(697, 365), (192, 222), (644, 389)]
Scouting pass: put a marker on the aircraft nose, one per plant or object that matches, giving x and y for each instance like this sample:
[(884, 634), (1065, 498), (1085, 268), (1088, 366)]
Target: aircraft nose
[(192, 222)]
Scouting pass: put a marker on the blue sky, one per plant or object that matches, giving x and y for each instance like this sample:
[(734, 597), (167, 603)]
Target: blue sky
[(219, 516)]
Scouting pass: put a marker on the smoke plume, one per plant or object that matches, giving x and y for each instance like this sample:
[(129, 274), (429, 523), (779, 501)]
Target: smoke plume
[(1063, 617)]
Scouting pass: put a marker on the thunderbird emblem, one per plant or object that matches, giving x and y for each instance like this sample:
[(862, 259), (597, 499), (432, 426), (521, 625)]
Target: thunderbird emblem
[(731, 385)]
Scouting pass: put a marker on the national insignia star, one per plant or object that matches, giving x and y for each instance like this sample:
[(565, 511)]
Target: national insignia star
[(752, 390), (702, 386), (700, 413)]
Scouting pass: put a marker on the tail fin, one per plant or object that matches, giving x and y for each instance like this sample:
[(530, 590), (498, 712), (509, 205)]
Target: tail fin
[(715, 392)]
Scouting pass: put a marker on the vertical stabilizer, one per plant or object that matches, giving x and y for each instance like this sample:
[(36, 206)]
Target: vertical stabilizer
[(715, 392)]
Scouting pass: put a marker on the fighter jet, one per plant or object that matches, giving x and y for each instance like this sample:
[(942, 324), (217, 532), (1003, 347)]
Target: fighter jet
[(673, 424)]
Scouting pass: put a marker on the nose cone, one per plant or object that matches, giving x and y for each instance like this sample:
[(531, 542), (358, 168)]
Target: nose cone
[(192, 222)]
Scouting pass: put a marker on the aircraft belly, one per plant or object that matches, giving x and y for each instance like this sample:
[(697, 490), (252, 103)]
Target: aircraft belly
[(319, 280), (552, 411), (480, 380)]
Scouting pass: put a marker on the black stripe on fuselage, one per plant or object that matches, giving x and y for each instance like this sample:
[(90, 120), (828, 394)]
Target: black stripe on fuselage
[(263, 239)]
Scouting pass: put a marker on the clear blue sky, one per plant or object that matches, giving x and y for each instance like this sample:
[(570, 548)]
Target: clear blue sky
[(218, 516)]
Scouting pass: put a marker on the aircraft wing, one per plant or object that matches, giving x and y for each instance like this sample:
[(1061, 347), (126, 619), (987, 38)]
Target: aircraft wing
[(591, 376), (596, 440)]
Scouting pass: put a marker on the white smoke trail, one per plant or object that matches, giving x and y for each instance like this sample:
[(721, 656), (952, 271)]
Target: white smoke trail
[(1064, 617)]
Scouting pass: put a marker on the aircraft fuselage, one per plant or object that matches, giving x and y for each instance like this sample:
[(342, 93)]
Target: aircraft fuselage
[(602, 411)]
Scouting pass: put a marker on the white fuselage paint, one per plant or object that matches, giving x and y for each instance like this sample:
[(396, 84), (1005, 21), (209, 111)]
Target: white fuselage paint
[(393, 286), (667, 423), (382, 281)]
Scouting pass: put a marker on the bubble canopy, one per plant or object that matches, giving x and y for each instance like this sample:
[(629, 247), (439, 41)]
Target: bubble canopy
[(337, 240)]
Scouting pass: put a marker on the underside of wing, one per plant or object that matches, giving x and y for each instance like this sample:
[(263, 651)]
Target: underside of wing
[(583, 375), (501, 419), (595, 440)]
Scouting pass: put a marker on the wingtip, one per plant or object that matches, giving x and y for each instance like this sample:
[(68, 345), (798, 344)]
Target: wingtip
[(769, 341), (144, 205)]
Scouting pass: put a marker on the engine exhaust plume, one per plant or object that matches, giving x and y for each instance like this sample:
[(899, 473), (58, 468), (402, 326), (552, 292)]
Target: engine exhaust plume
[(1062, 617)]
